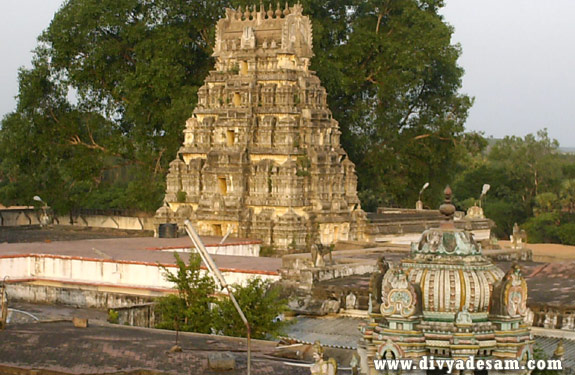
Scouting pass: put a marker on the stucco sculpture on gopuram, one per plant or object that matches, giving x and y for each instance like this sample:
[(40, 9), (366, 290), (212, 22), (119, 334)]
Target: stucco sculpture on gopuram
[(449, 301), (262, 156)]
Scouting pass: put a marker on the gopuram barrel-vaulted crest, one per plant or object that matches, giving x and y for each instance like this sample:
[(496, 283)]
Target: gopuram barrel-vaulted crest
[(261, 156), (448, 301)]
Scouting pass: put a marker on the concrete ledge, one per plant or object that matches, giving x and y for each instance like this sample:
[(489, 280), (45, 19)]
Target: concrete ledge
[(76, 295), (102, 283), (557, 333)]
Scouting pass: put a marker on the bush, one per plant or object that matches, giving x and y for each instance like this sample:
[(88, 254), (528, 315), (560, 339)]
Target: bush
[(566, 233), (195, 309), (504, 214), (370, 200), (543, 228), (551, 227), (189, 310), (260, 302)]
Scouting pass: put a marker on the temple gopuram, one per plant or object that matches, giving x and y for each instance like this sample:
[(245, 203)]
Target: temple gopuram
[(448, 301), (262, 156)]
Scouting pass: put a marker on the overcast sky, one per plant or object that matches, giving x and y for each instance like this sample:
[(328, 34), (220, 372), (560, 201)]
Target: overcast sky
[(518, 56)]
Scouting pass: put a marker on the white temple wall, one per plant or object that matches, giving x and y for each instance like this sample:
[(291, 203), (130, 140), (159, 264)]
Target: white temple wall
[(42, 278)]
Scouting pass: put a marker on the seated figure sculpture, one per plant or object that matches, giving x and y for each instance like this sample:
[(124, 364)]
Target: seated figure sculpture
[(322, 366)]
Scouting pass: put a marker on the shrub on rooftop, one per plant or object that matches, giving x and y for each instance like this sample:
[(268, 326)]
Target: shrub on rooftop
[(189, 309), (195, 307)]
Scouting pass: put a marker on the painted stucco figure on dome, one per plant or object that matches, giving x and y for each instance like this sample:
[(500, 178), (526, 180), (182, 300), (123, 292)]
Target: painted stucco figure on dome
[(321, 366), (399, 297), (450, 301), (376, 281), (510, 295), (261, 156)]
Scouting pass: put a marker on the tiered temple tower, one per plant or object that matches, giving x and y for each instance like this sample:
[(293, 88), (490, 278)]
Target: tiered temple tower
[(448, 301), (261, 156)]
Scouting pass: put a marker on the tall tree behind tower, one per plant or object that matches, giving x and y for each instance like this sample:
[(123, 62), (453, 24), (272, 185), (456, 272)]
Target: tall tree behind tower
[(100, 113)]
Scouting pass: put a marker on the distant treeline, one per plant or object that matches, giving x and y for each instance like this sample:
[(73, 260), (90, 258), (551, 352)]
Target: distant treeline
[(532, 184)]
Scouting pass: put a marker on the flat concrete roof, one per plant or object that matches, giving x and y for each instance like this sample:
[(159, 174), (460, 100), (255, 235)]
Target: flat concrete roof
[(141, 250), (102, 348)]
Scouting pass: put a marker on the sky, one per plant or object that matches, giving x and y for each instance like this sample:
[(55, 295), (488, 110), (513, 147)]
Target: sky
[(518, 56)]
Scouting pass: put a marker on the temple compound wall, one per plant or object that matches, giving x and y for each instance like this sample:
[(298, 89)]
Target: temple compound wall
[(262, 156)]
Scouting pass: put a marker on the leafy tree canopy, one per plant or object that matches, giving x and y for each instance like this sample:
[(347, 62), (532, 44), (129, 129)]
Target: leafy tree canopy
[(100, 113), (528, 177)]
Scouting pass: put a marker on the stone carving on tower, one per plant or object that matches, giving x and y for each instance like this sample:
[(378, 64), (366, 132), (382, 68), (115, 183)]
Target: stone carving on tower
[(261, 156), (448, 300)]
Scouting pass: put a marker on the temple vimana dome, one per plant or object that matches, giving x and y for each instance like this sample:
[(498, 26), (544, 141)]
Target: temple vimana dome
[(447, 300), (262, 156)]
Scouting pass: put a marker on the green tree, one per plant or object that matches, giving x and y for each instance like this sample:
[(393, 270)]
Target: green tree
[(530, 163), (566, 232), (191, 309), (545, 203), (134, 68), (260, 302), (196, 309), (37, 154), (393, 86), (554, 219), (551, 227), (567, 195), (524, 174)]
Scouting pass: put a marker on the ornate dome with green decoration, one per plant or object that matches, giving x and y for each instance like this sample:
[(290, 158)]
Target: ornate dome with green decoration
[(450, 301), (446, 240), (450, 269)]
